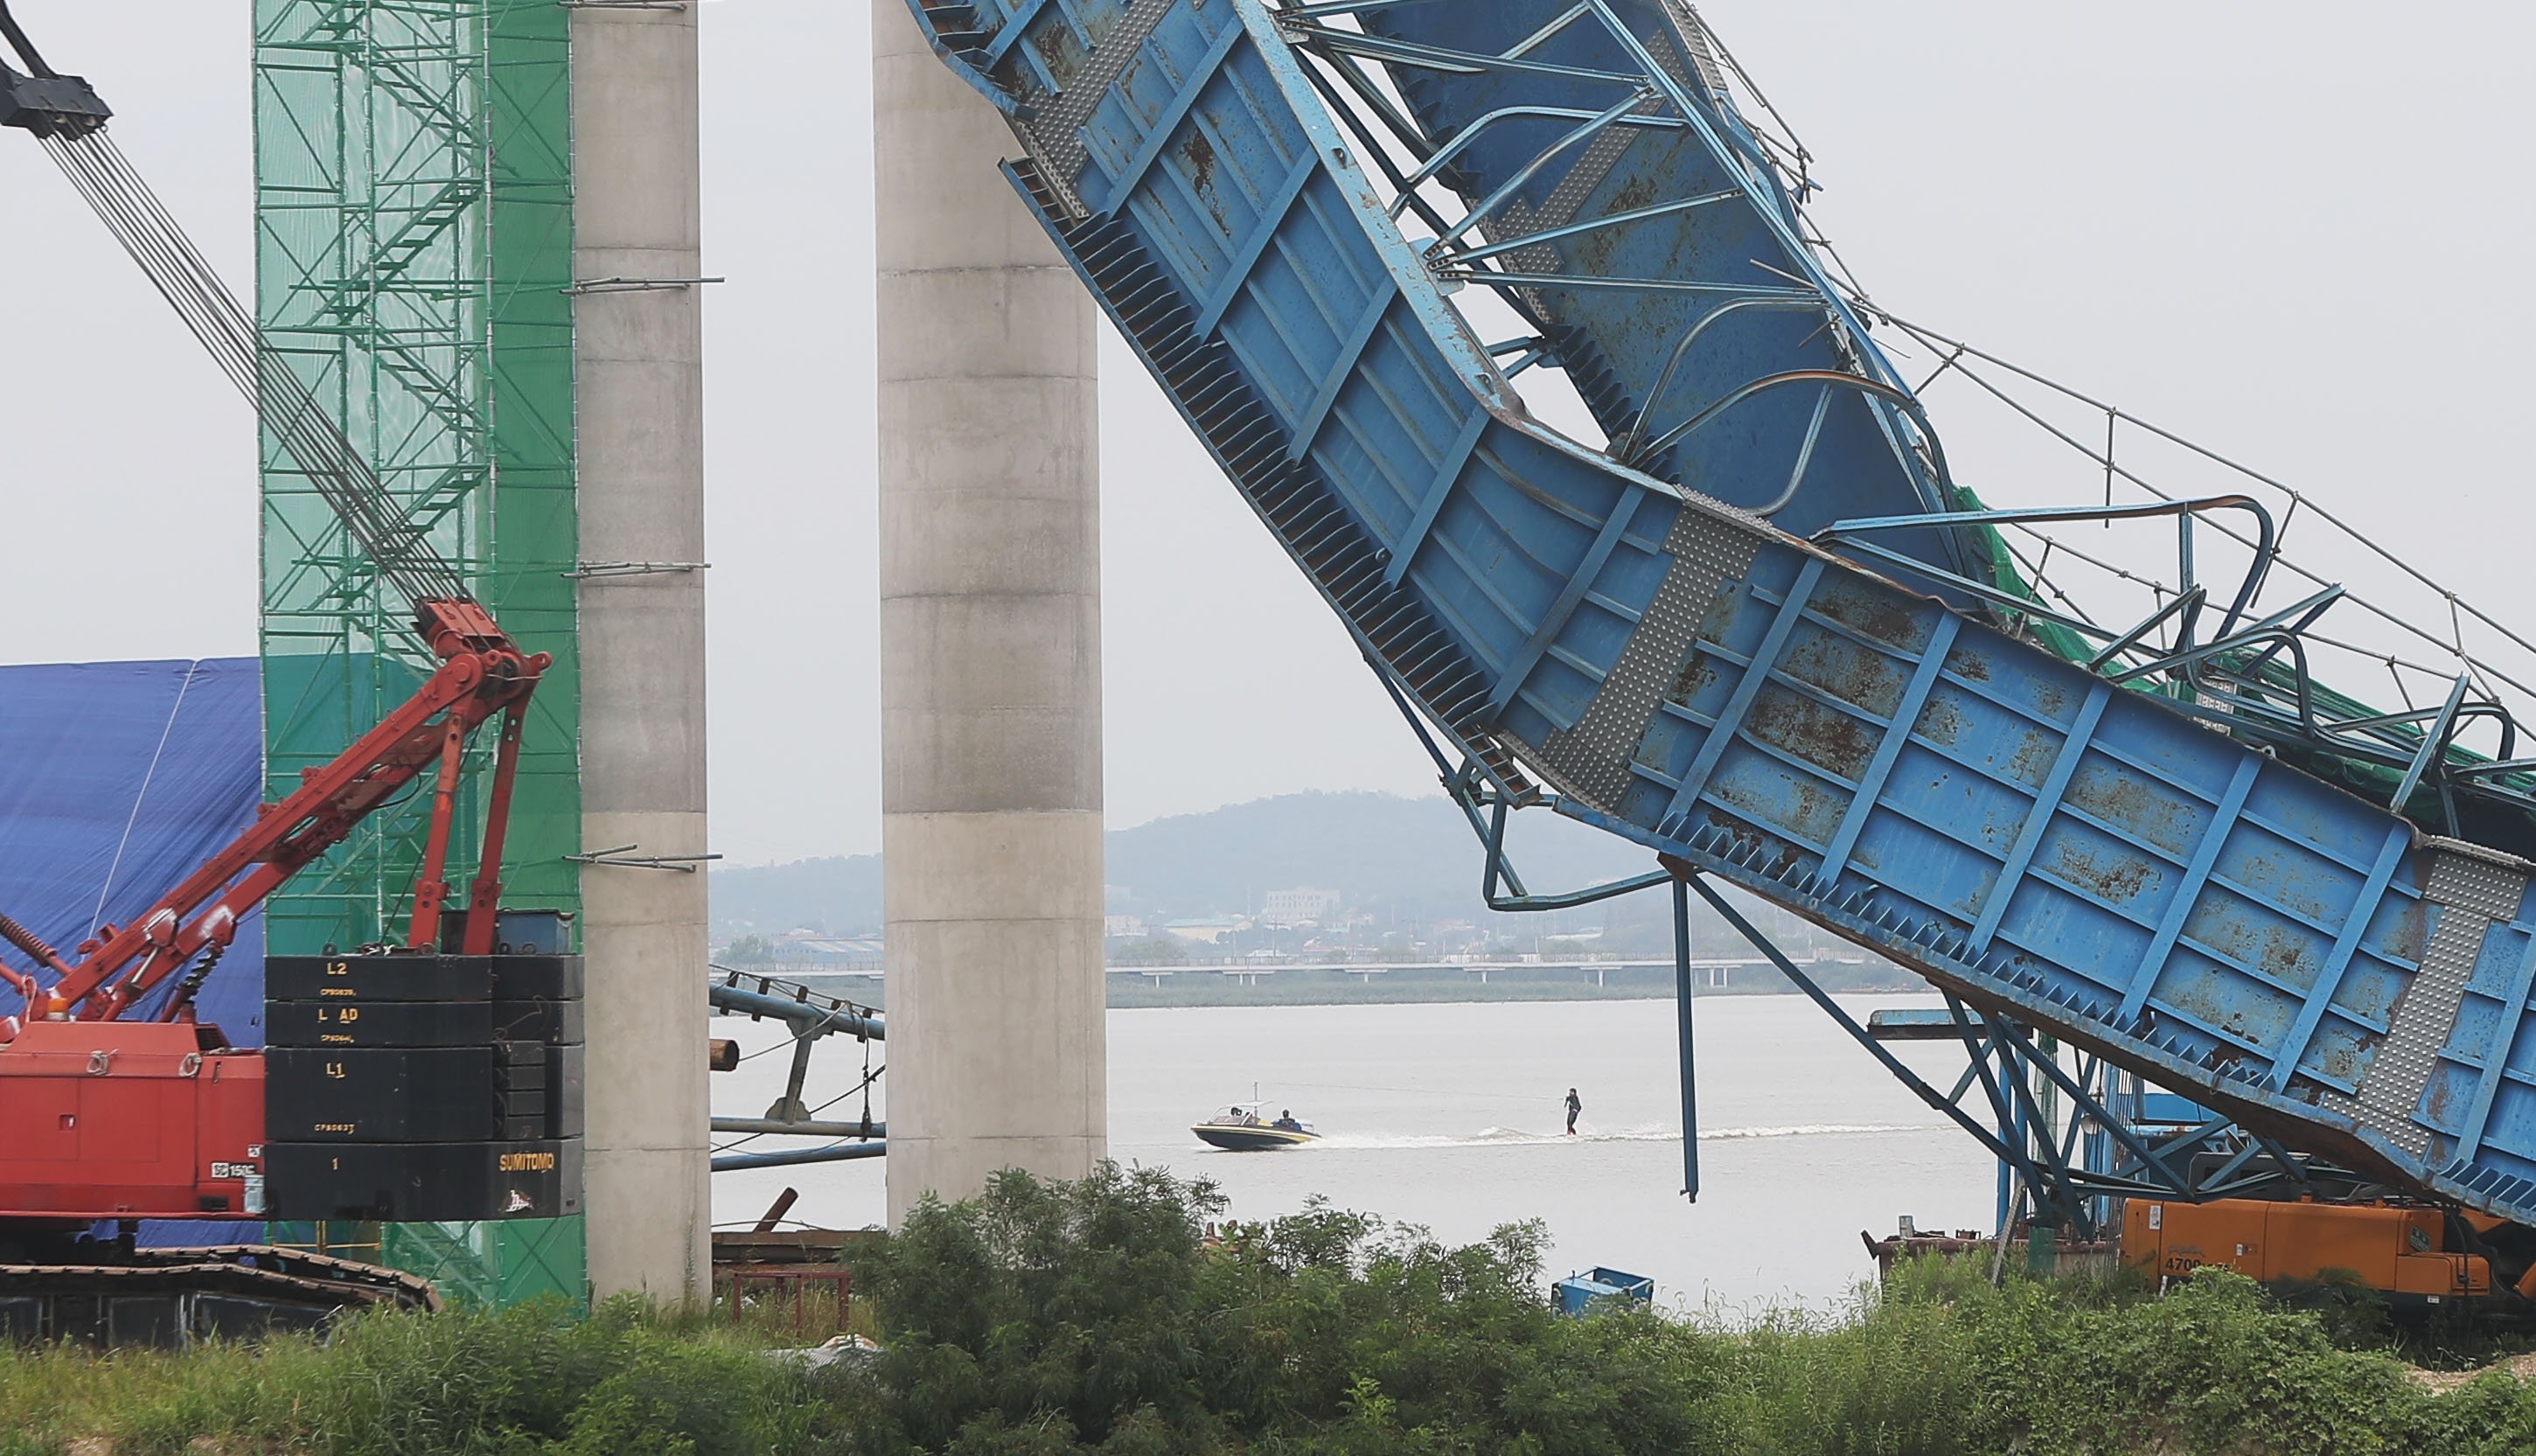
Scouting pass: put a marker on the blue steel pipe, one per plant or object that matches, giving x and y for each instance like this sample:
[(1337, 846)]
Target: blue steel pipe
[(811, 1020), (778, 1128), (730, 1161), (1690, 1083)]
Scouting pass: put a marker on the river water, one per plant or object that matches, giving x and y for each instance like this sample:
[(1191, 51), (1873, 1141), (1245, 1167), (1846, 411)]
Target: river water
[(1449, 1117)]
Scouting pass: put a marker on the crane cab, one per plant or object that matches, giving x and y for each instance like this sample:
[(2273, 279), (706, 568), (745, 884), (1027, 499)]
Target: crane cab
[(131, 1119)]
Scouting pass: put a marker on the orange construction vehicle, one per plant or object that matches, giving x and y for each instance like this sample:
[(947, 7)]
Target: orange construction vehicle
[(2415, 1254)]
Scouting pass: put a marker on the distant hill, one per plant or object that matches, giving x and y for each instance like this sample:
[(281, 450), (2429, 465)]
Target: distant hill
[(839, 895), (1414, 858)]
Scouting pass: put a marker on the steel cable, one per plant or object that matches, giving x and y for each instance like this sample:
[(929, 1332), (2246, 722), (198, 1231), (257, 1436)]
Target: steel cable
[(394, 544)]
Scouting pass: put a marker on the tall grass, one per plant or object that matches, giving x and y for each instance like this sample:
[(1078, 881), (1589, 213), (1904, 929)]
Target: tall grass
[(532, 1379), (1941, 1362), (1093, 1318)]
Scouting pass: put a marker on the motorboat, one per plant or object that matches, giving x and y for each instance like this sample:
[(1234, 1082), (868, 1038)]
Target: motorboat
[(1240, 1130)]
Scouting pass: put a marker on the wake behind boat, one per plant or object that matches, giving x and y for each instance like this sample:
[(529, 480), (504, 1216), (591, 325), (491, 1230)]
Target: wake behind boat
[(1241, 1129)]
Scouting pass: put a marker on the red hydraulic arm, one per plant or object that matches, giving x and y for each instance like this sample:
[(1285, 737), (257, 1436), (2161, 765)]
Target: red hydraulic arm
[(483, 676)]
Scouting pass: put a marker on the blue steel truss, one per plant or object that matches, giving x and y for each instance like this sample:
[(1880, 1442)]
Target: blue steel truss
[(1673, 275), (811, 1016), (2055, 1170), (1278, 209)]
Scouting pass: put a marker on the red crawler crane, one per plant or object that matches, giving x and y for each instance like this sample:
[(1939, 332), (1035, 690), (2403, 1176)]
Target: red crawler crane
[(118, 1104), (116, 1119)]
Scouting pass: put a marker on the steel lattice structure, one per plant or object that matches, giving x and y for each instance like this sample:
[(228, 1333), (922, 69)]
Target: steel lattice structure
[(1742, 613), (413, 230), (414, 234)]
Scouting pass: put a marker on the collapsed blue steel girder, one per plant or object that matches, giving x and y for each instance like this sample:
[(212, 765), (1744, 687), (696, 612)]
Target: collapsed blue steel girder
[(1605, 628)]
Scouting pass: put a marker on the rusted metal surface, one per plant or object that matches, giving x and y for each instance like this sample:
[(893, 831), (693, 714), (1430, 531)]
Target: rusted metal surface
[(786, 1245), (2083, 858), (176, 1298), (2067, 1254)]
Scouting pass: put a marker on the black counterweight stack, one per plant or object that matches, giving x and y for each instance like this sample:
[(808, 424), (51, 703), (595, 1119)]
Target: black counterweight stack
[(422, 1088)]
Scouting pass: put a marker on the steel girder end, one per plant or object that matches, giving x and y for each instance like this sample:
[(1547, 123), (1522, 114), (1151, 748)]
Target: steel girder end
[(958, 58)]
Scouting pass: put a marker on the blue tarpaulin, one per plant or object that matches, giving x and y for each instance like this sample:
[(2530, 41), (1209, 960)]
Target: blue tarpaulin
[(117, 779)]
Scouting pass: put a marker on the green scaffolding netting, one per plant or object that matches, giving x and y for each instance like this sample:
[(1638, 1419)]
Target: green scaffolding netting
[(413, 241)]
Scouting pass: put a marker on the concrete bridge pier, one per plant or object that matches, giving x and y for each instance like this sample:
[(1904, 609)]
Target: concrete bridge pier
[(990, 652), (638, 364)]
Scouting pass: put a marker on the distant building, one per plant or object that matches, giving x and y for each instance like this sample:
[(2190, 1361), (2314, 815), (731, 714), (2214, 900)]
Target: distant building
[(1133, 926), (1297, 907), (1202, 932), (804, 951)]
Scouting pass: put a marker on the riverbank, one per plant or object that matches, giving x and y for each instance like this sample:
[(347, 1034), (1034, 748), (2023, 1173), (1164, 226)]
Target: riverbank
[(1427, 985), (1350, 985), (1111, 1316)]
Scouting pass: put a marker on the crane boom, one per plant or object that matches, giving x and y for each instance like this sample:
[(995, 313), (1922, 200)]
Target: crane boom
[(142, 1112), (483, 676), (482, 673)]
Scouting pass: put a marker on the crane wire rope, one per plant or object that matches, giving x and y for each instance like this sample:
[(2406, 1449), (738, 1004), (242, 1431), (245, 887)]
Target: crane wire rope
[(397, 547), (148, 776)]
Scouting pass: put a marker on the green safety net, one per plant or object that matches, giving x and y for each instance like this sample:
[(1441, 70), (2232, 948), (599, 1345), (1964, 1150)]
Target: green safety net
[(493, 1265), (413, 242), (1994, 565), (481, 1265)]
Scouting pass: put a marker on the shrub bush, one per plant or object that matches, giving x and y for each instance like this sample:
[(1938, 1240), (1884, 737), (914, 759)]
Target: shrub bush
[(1104, 1315)]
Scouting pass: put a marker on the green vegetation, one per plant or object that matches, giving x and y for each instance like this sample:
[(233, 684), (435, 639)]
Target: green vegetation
[(1153, 950), (534, 1379), (1100, 1316), (1086, 1317), (750, 950)]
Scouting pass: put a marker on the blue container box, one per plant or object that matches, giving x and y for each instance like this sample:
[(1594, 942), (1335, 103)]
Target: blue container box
[(1578, 1291)]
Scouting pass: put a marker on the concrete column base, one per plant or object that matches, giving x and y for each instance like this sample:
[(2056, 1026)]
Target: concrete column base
[(642, 1203), (998, 1047), (650, 1157)]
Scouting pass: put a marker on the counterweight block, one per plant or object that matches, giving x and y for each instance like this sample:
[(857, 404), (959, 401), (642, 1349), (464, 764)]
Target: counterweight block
[(417, 1087)]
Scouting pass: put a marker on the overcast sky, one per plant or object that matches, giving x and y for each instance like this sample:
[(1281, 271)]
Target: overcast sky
[(2285, 230)]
